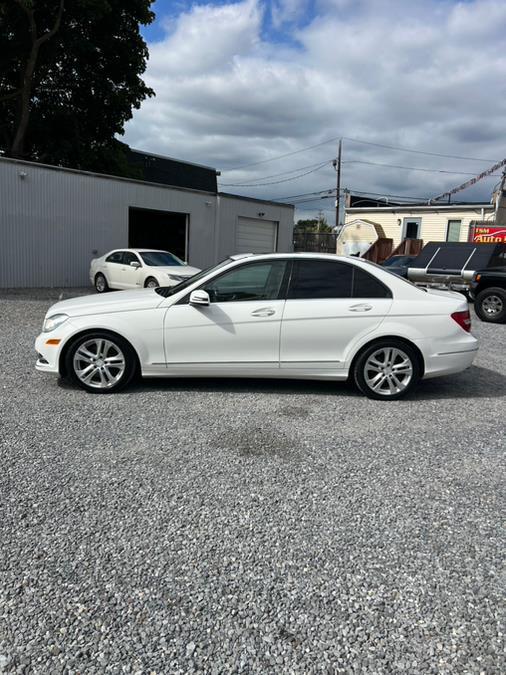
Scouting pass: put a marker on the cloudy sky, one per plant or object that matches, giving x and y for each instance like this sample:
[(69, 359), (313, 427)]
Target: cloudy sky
[(240, 83)]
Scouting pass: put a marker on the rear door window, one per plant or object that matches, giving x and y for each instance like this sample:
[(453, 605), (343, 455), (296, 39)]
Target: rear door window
[(317, 279), (366, 285), (116, 257)]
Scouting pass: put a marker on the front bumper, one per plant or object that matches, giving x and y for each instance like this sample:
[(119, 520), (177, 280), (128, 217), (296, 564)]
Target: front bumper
[(48, 354)]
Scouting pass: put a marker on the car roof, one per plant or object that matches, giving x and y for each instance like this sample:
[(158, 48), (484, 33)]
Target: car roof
[(140, 250)]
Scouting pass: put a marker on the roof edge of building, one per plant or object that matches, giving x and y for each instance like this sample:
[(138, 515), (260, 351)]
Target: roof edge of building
[(255, 199), (108, 176), (419, 207)]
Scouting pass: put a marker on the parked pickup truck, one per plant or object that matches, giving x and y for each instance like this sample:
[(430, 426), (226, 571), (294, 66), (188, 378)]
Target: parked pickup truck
[(488, 288)]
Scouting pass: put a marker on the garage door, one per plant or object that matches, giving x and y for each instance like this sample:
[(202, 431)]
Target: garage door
[(255, 236)]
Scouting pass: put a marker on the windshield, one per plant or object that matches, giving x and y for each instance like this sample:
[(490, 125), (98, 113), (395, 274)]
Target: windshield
[(397, 260), (161, 259), (167, 291)]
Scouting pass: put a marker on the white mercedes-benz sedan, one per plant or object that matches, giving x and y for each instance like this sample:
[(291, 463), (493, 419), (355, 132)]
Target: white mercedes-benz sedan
[(138, 268), (314, 316)]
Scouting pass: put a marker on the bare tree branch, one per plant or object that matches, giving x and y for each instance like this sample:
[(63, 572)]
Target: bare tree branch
[(17, 148)]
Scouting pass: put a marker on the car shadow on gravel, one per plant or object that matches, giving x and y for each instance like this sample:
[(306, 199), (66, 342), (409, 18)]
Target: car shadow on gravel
[(476, 381)]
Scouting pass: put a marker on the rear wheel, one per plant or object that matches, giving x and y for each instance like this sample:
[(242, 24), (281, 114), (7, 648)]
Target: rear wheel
[(387, 370), (151, 282), (101, 362), (101, 285), (490, 305)]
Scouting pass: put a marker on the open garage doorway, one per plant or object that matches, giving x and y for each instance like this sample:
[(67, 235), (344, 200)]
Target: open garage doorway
[(164, 230)]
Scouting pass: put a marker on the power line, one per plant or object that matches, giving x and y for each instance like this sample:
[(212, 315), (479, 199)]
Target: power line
[(359, 192), (288, 154), (358, 140), (414, 168), (418, 152), (275, 182), (281, 173)]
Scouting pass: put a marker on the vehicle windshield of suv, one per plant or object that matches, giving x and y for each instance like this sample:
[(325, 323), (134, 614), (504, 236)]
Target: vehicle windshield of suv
[(161, 259), (167, 291)]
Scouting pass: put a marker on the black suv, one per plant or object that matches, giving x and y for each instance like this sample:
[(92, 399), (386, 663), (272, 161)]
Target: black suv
[(488, 288)]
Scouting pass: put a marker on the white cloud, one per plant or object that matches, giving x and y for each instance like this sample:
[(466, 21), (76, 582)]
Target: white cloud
[(426, 75)]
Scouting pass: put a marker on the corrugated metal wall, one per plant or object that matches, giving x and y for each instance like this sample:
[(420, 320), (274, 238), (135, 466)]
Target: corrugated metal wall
[(53, 222)]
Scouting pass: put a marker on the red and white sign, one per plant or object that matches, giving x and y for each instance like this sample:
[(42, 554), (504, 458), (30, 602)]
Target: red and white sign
[(487, 235)]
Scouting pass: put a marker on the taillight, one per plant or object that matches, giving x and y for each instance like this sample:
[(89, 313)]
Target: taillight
[(463, 319)]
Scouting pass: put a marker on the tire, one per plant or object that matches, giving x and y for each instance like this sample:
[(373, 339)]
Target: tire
[(151, 282), (490, 305), (101, 285), (86, 362), (381, 363)]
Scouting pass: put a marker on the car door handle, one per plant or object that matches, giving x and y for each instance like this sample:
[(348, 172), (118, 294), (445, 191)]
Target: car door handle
[(362, 307), (263, 311)]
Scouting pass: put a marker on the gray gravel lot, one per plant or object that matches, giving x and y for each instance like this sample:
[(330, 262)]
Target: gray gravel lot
[(249, 526)]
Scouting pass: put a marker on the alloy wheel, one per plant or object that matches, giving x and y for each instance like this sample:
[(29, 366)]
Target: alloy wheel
[(492, 305), (388, 371), (99, 363)]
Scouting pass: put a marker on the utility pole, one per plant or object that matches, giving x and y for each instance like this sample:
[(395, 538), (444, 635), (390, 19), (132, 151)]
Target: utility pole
[(500, 210), (337, 166)]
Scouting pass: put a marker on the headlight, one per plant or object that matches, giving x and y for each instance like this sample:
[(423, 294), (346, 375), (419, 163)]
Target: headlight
[(175, 277), (53, 322)]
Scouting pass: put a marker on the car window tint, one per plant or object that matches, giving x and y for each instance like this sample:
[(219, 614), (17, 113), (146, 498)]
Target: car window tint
[(129, 257), (320, 279), (116, 257), (259, 281), (365, 285)]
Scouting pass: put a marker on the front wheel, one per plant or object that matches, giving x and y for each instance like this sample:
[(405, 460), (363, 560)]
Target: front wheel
[(387, 370), (490, 305), (100, 362), (151, 282)]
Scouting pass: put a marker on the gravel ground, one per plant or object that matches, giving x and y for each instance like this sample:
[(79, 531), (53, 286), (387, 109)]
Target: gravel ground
[(248, 527)]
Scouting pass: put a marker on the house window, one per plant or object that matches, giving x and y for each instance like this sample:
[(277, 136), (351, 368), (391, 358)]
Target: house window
[(453, 230)]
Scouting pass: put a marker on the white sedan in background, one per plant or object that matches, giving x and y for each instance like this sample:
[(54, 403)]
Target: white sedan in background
[(138, 268), (312, 316)]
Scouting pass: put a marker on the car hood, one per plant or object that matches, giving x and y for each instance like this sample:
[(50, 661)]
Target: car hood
[(142, 298), (177, 270)]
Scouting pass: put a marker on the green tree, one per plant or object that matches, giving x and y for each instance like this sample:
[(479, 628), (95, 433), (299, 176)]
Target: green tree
[(70, 78), (313, 225)]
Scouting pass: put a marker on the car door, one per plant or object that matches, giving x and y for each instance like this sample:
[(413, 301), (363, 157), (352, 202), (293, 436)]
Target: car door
[(329, 306), (238, 330), (131, 277), (113, 265)]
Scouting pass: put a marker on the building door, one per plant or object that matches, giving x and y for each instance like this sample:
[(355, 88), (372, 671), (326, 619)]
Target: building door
[(453, 231), (255, 235), (411, 228), (163, 230)]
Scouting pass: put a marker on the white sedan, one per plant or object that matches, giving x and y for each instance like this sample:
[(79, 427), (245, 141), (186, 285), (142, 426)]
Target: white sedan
[(311, 316), (138, 268)]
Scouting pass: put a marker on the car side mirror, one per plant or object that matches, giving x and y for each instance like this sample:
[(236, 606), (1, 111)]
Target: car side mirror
[(199, 298), (135, 264)]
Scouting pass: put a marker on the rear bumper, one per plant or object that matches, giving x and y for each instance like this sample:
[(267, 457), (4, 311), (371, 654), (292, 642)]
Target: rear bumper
[(445, 358)]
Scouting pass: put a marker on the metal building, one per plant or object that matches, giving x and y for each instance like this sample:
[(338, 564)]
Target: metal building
[(54, 220)]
